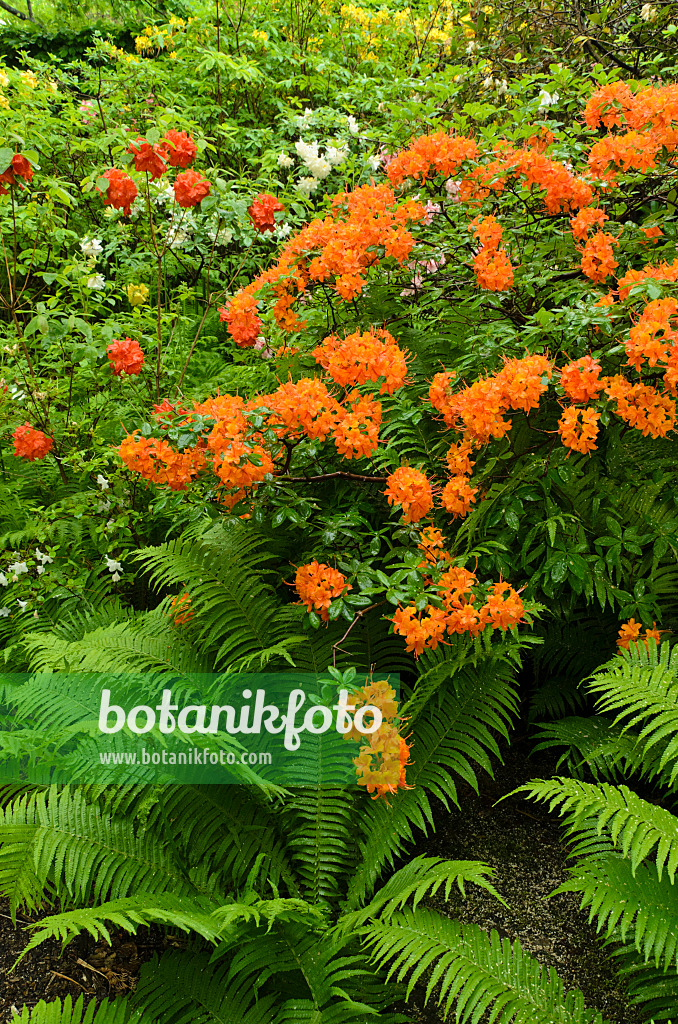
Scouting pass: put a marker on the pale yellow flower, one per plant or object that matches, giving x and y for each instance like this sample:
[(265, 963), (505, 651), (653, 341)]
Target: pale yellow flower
[(137, 294)]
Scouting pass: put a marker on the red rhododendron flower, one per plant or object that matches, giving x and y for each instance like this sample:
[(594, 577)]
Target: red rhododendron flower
[(121, 191), (181, 148), (20, 166), (125, 357), (149, 158), (190, 188), (262, 211), (31, 444)]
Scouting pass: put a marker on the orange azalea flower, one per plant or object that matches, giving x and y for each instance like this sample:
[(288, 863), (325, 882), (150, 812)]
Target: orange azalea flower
[(190, 188), (410, 489), (363, 357), (182, 150), (580, 380), (31, 444), (125, 357), (262, 211), (578, 429), (318, 585), (121, 191)]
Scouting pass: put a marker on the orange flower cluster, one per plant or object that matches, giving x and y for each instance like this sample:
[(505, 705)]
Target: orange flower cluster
[(650, 117), (190, 188), (641, 406), (182, 149), (181, 609), (262, 211), (125, 357), (578, 429), (431, 155), (318, 585), (356, 435), (563, 191), (157, 461), (410, 489), (121, 191), (458, 589), (630, 633), (382, 761), (597, 260), (663, 272), (585, 219), (432, 544), (458, 496), (477, 411), (365, 227), (149, 158), (652, 234), (363, 357), (492, 266), (580, 380), (655, 335), (31, 444), (241, 316)]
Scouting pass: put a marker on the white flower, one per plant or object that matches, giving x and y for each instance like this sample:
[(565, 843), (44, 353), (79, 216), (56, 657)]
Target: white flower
[(283, 230), (284, 160), (16, 568), (45, 559), (179, 236), (103, 506), (91, 247), (547, 99), (4, 582), (306, 150), (472, 47), (374, 161), (164, 195), (335, 155), (115, 577), (220, 236), (352, 124), (648, 12), (96, 282), (501, 86), (431, 210), (307, 185), (488, 83), (4, 612), (102, 482), (112, 565), (41, 569), (110, 525), (22, 604), (319, 167)]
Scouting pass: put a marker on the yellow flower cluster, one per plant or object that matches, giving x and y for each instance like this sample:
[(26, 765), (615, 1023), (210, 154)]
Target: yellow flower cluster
[(4, 82), (137, 294), (261, 37), (116, 53)]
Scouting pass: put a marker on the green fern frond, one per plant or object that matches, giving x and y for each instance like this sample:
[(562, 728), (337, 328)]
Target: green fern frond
[(189, 989), (319, 839), (423, 876), (627, 901), (472, 972), (640, 687), (637, 828), (58, 839), (649, 987), (185, 914), (452, 738), (117, 1011)]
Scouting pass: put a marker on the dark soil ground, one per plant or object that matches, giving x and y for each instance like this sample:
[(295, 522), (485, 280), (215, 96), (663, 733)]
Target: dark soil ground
[(517, 838)]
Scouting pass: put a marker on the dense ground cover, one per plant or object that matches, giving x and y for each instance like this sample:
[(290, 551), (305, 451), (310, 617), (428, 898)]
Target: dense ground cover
[(343, 339)]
